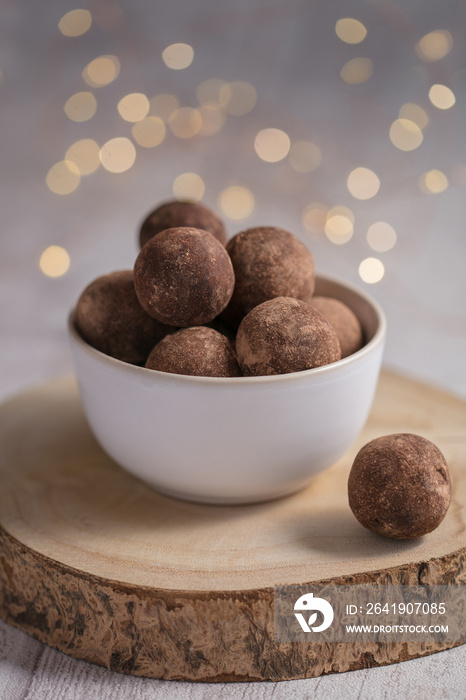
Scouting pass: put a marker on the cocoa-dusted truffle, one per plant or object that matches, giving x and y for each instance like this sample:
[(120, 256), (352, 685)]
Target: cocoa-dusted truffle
[(199, 351), (344, 321), (268, 262), (176, 214), (111, 319), (285, 335), (184, 277), (399, 486)]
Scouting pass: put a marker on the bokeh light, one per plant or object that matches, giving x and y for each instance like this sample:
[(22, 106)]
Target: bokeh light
[(80, 107), (212, 120), (54, 261), (314, 217), (371, 270), (363, 183), (101, 71), (208, 92), (339, 225), (163, 106), (238, 98), (433, 182), (75, 23), (435, 45), (85, 155), (118, 155), (414, 113), (381, 236), (405, 135), (272, 145), (149, 132), (350, 30), (133, 107), (305, 156), (189, 187), (442, 96), (357, 71), (63, 177), (185, 122), (178, 56), (236, 202)]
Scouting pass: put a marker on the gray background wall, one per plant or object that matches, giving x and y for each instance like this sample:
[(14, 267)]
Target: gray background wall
[(290, 53)]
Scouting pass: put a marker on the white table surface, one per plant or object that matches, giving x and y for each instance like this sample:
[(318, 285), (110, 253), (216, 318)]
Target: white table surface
[(289, 51)]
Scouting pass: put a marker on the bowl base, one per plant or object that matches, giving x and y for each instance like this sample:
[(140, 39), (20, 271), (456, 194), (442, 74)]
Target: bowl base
[(234, 500)]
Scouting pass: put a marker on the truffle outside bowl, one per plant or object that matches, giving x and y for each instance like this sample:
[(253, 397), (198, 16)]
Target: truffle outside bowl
[(232, 440)]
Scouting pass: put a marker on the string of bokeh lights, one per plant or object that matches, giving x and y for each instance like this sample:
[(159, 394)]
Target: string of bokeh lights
[(152, 120)]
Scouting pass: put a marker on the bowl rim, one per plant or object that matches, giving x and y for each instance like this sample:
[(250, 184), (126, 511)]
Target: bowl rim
[(332, 368)]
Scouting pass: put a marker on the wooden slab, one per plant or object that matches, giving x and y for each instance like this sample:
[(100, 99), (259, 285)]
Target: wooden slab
[(98, 565)]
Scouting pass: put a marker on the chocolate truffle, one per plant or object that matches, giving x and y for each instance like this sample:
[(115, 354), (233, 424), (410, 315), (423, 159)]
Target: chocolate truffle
[(399, 486), (176, 214), (198, 351), (110, 318), (184, 277), (268, 262), (343, 320), (285, 335)]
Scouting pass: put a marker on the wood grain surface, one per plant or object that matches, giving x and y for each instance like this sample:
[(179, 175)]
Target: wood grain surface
[(98, 565)]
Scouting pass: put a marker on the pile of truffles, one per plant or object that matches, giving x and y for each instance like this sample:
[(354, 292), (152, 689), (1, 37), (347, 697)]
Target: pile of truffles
[(198, 305)]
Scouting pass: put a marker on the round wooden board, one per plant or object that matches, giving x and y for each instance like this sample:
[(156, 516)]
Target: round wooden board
[(95, 563)]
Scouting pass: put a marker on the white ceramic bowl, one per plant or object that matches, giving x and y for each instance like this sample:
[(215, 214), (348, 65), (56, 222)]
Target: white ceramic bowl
[(232, 440)]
